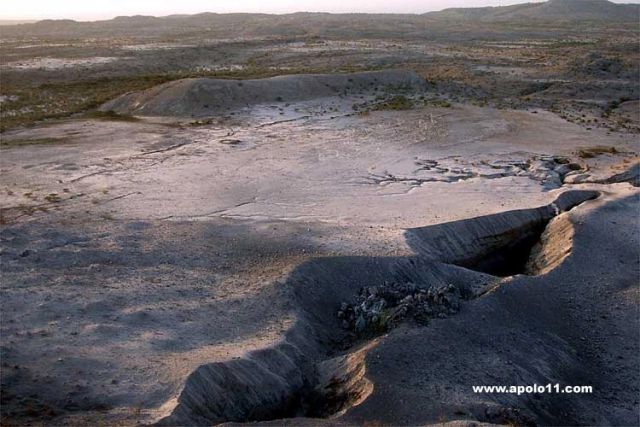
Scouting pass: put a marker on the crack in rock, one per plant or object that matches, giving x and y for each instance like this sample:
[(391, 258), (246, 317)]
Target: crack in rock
[(550, 171)]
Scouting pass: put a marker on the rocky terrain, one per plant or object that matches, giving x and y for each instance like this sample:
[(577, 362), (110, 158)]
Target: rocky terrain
[(583, 66), (325, 220)]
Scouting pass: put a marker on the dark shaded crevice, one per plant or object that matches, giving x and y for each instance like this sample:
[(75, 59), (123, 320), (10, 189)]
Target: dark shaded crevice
[(512, 257), (499, 244)]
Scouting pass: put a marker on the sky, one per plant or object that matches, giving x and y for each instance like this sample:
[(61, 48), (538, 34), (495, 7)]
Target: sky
[(88, 10)]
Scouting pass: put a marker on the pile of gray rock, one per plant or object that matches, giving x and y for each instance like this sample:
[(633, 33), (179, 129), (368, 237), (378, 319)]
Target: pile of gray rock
[(553, 171), (376, 309), (550, 171)]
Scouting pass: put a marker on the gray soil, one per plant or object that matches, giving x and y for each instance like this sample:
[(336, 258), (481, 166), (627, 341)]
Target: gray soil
[(200, 272), (206, 97)]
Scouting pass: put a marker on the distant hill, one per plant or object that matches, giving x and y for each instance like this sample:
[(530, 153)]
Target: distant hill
[(339, 25), (550, 11), (4, 22)]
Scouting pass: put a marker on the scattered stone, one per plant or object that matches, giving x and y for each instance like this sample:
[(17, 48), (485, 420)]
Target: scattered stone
[(546, 169), (564, 169), (576, 178), (376, 309)]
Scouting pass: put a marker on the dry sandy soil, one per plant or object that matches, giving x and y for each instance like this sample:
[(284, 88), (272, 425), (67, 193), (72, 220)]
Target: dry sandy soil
[(190, 270)]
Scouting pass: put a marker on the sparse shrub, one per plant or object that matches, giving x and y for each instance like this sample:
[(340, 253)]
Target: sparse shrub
[(52, 198), (399, 102)]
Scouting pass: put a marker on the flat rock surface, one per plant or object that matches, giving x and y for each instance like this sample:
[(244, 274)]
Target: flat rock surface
[(134, 252)]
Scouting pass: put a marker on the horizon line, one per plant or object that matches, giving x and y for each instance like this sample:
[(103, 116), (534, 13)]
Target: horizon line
[(29, 20)]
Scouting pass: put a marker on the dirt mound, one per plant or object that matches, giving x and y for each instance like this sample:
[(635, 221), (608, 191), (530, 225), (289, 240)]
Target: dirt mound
[(205, 97)]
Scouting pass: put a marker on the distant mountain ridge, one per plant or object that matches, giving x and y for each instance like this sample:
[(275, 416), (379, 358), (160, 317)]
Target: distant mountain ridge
[(16, 21), (552, 10), (353, 24)]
